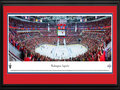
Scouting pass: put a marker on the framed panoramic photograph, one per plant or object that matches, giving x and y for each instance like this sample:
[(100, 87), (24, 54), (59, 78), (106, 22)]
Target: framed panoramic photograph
[(60, 44)]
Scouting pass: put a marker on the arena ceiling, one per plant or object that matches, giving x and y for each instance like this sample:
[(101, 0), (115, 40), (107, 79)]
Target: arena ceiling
[(56, 19)]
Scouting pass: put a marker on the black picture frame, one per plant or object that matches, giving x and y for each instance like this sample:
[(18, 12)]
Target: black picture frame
[(62, 3)]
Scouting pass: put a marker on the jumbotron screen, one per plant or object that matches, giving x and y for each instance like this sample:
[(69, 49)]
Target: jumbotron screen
[(61, 28), (61, 32)]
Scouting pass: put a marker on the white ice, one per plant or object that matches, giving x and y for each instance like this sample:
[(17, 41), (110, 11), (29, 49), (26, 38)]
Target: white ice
[(61, 51)]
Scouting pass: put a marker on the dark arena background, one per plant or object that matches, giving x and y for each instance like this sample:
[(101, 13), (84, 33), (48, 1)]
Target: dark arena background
[(60, 38)]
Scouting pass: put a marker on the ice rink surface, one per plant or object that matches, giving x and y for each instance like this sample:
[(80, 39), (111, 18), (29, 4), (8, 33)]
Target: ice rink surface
[(61, 51)]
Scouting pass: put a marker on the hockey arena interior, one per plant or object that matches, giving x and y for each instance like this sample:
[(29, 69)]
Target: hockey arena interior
[(60, 38)]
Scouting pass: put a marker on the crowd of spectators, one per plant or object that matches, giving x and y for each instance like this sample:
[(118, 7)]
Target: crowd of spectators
[(96, 42), (29, 25)]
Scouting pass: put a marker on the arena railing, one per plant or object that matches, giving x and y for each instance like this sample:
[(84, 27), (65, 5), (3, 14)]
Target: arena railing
[(12, 57)]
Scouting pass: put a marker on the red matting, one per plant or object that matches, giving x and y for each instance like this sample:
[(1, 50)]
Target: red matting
[(59, 78)]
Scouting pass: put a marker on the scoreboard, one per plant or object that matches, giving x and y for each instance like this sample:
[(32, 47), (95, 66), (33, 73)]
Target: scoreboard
[(61, 28)]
